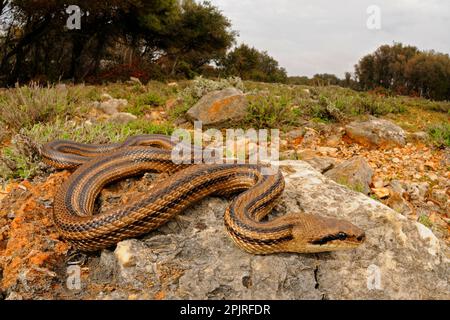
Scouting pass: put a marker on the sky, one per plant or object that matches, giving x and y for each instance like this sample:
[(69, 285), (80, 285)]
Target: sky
[(330, 36)]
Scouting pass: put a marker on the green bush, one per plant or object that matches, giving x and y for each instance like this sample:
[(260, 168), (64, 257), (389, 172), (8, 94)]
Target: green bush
[(22, 159), (440, 135), (269, 112)]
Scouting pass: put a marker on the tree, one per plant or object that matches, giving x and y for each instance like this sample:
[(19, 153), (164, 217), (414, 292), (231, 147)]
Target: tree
[(37, 44), (199, 36), (385, 67), (251, 64), (428, 74), (325, 79), (405, 70)]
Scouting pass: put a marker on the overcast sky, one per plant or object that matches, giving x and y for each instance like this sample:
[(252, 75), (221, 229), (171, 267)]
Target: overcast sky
[(318, 36)]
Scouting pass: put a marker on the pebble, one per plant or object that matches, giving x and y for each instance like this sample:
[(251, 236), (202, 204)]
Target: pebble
[(124, 255)]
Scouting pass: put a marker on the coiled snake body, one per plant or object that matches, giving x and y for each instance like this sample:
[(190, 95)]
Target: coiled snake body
[(98, 165)]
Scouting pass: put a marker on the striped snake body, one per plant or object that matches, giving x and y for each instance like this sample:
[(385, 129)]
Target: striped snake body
[(98, 165)]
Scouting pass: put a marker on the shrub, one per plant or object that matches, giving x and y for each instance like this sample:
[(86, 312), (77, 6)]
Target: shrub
[(24, 106), (440, 135), (269, 112)]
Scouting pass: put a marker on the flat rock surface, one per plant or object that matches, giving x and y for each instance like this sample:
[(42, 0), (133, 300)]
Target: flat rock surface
[(376, 132), (193, 258)]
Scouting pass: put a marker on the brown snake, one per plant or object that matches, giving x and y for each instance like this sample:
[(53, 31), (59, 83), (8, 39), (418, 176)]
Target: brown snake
[(98, 165)]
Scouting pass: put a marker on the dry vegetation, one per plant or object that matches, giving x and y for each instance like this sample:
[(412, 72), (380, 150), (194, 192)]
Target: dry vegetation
[(33, 115)]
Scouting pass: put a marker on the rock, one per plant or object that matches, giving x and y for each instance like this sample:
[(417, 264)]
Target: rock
[(399, 204), (321, 164), (122, 118), (106, 97), (295, 134), (219, 107), (432, 176), (419, 136), (354, 173), (378, 182), (381, 193), (376, 132), (310, 137), (334, 140), (125, 256), (417, 191), (327, 150), (112, 106), (397, 186), (192, 257), (440, 196), (445, 161)]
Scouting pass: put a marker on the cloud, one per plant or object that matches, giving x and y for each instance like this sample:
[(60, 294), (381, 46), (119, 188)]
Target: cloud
[(309, 37)]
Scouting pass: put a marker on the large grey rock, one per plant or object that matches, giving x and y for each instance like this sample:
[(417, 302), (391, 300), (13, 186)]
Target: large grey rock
[(354, 173), (219, 107), (192, 257), (122, 118), (376, 132), (111, 106)]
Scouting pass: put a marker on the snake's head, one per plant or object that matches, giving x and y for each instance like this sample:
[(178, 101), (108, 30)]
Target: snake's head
[(319, 234)]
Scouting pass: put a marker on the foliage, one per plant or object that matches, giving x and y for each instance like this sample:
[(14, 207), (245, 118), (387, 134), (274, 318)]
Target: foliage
[(117, 39), (23, 155), (269, 111), (440, 135), (251, 64), (406, 70), (24, 106)]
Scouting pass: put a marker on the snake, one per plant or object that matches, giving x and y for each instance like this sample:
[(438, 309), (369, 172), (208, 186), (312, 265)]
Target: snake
[(253, 195)]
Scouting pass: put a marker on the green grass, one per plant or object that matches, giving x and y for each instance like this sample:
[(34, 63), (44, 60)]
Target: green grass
[(43, 114), (270, 112), (423, 219), (18, 161), (440, 135)]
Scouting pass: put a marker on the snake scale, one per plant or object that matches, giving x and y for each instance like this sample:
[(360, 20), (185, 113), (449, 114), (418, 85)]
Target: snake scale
[(95, 166)]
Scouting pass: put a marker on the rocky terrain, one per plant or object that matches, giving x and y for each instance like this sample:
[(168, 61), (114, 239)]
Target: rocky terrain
[(393, 183)]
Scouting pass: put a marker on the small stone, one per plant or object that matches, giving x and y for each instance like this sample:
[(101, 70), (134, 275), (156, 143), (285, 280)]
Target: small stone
[(327, 150), (381, 193), (378, 183), (399, 204), (396, 160), (124, 254), (432, 176), (11, 215), (122, 118), (106, 97), (354, 173), (439, 196), (418, 136), (112, 106), (397, 186), (295, 134)]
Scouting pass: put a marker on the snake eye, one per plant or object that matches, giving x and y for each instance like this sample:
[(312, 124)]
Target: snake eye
[(342, 236)]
